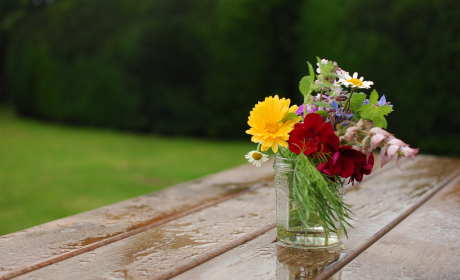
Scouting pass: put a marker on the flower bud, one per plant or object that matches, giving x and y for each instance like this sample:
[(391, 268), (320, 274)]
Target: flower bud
[(341, 98)]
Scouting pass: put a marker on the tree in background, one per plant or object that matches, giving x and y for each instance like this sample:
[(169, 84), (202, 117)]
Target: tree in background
[(191, 67), (12, 12)]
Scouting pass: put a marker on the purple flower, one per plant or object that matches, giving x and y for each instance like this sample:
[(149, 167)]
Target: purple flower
[(340, 112), (309, 109), (381, 102)]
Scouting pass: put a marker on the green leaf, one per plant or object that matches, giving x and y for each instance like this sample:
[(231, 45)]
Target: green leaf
[(325, 83), (331, 75), (323, 104), (373, 98), (322, 113), (367, 115), (357, 116), (380, 121), (312, 73), (365, 108), (305, 85), (357, 100), (288, 117), (383, 110)]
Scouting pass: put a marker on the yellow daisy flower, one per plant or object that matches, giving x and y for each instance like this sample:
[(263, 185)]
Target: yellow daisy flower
[(267, 125)]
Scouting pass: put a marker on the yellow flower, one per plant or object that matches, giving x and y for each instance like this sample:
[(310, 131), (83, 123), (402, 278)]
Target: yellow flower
[(267, 125)]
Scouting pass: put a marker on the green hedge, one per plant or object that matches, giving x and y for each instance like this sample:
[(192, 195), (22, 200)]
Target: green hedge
[(197, 67)]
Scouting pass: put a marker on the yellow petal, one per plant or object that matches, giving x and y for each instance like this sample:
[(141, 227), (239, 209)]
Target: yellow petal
[(275, 147)]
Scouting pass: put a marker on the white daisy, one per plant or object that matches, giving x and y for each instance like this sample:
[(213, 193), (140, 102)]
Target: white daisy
[(256, 158), (354, 82)]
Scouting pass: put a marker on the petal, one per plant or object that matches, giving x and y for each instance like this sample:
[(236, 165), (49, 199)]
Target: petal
[(349, 135), (275, 147), (348, 168), (382, 100), (281, 142), (366, 145), (313, 121), (335, 105), (409, 152), (268, 142), (384, 159), (378, 130), (352, 154), (396, 141), (375, 140), (392, 150), (397, 164), (335, 157)]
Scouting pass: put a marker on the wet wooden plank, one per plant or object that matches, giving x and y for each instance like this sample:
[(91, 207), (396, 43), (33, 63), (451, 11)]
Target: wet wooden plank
[(42, 245), (174, 247), (171, 248), (93, 235), (426, 245), (262, 258), (376, 201)]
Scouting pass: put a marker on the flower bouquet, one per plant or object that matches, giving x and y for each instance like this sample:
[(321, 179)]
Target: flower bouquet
[(320, 146)]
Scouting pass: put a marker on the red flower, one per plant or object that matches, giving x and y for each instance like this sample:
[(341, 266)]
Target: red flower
[(362, 168), (313, 136), (347, 162)]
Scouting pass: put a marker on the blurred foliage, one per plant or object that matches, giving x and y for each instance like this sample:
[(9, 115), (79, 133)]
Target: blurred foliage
[(11, 13), (197, 67)]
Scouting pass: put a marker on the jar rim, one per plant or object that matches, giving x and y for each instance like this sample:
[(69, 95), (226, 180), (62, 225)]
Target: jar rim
[(283, 158), (283, 164)]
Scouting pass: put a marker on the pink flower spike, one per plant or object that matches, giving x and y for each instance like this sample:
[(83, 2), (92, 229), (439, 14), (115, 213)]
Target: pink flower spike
[(349, 135), (384, 159), (366, 146), (397, 165), (378, 130), (392, 150), (364, 124), (396, 141), (409, 152), (376, 139)]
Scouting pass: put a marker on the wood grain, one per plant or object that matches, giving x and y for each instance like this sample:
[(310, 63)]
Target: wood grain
[(424, 246), (42, 245), (194, 246), (174, 247), (376, 202)]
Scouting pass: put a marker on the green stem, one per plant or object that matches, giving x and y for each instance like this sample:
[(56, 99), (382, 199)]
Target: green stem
[(347, 105), (321, 95)]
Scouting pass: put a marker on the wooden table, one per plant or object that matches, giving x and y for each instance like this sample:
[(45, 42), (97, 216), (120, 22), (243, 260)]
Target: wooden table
[(223, 226)]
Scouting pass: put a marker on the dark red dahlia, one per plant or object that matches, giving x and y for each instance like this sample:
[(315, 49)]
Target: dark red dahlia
[(313, 136), (362, 168), (347, 162)]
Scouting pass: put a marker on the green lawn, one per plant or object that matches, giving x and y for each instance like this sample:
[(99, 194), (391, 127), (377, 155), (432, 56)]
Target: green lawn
[(50, 171)]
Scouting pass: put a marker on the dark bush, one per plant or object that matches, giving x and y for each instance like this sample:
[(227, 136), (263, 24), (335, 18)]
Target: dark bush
[(196, 67)]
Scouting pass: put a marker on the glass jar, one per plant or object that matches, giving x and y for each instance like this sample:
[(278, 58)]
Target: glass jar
[(291, 231)]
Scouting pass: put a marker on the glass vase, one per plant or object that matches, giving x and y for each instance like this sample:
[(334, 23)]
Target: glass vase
[(291, 231)]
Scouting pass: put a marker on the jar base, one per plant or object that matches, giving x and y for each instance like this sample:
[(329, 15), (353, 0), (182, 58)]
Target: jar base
[(307, 240)]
